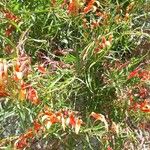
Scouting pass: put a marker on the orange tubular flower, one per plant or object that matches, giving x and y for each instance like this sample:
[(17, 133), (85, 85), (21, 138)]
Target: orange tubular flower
[(94, 24), (37, 126), (145, 106), (74, 122), (71, 120), (89, 6), (109, 148), (33, 96), (9, 31), (73, 7), (3, 92), (22, 141), (18, 72), (22, 67), (97, 116), (41, 69), (144, 75), (49, 118), (104, 43), (100, 117), (24, 85), (62, 117), (133, 73), (78, 125), (29, 134), (9, 15), (23, 90)]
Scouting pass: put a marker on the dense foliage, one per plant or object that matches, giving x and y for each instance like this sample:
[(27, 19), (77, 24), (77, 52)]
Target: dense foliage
[(74, 74)]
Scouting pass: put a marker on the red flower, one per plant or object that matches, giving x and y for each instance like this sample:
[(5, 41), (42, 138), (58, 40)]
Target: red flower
[(89, 6), (143, 92), (73, 7), (95, 24), (29, 134), (37, 126), (9, 30), (49, 118), (97, 116), (78, 125), (135, 106), (144, 75), (3, 93), (134, 73), (33, 96), (145, 106), (41, 69), (72, 120), (21, 143), (104, 43), (109, 148), (24, 85), (18, 72), (9, 15), (100, 117)]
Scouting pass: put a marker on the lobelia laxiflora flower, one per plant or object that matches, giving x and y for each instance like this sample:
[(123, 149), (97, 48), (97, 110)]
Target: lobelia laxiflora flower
[(89, 6), (100, 117)]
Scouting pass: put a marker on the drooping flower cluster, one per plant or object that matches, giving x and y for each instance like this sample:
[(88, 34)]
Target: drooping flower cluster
[(22, 67), (64, 117), (21, 70), (45, 120)]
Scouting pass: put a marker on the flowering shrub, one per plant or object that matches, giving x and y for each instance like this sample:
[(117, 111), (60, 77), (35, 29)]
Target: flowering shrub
[(70, 76)]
